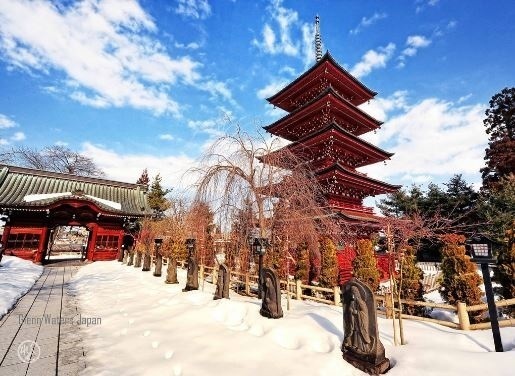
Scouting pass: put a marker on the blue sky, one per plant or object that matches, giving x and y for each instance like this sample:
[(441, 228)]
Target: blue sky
[(137, 84)]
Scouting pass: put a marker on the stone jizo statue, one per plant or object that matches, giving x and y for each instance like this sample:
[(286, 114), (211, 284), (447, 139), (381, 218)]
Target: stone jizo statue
[(271, 290), (361, 346), (192, 276), (222, 284), (171, 271)]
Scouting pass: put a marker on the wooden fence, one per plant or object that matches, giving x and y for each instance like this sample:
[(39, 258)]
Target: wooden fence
[(247, 284)]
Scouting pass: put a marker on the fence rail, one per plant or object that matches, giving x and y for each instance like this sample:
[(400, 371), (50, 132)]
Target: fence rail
[(248, 284)]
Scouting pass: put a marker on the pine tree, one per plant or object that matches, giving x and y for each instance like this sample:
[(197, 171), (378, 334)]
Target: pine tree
[(460, 280), (302, 270), (500, 125), (157, 197), (411, 287), (506, 265), (144, 179), (365, 264), (329, 263)]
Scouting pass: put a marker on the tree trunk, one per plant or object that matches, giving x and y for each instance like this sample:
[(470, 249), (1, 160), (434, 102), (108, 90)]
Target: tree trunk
[(147, 259), (159, 265), (171, 271), (137, 262)]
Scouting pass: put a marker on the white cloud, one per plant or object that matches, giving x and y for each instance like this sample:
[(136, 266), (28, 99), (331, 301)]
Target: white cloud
[(105, 48), (423, 4), (413, 44), (417, 41), (172, 167), (373, 59), (432, 140), (366, 22), (197, 9), (189, 46), (18, 136), (218, 89), (61, 143), (166, 137), (285, 19), (285, 34), (380, 108), (271, 89), (6, 122)]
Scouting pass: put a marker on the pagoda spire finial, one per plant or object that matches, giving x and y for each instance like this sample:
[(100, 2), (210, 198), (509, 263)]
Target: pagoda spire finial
[(318, 39)]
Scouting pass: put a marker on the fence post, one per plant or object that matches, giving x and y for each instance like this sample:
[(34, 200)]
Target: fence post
[(247, 284), (298, 289), (201, 272), (463, 316), (215, 276), (389, 307), (337, 295)]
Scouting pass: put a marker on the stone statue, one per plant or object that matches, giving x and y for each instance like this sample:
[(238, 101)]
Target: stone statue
[(222, 284), (361, 346), (147, 260), (271, 304), (171, 271), (192, 276)]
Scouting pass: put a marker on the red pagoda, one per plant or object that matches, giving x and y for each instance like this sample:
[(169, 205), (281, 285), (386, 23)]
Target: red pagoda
[(324, 126)]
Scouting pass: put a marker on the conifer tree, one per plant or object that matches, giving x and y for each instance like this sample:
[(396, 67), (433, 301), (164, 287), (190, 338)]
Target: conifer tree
[(302, 271), (506, 266), (143, 179), (460, 280), (500, 126), (411, 285), (157, 197), (365, 264), (329, 263)]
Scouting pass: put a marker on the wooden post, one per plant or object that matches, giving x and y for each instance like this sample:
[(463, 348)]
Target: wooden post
[(215, 276), (463, 316), (201, 275), (337, 296), (247, 284), (389, 307), (298, 289), (288, 297)]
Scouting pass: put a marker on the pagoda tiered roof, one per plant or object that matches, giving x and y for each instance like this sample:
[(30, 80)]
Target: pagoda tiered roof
[(334, 144), (348, 183), (326, 72), (324, 126), (328, 107)]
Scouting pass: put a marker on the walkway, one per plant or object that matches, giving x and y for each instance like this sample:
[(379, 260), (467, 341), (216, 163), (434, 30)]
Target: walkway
[(46, 315)]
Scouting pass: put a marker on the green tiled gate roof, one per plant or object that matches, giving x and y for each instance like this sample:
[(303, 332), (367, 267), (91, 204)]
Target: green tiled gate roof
[(18, 182)]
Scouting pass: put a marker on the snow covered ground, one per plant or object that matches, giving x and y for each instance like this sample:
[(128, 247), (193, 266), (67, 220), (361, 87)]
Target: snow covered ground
[(16, 278), (150, 328)]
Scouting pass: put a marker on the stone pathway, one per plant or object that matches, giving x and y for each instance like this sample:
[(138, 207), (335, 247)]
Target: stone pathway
[(47, 315)]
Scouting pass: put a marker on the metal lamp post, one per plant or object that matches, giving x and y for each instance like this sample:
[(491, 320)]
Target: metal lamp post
[(259, 248), (480, 248)]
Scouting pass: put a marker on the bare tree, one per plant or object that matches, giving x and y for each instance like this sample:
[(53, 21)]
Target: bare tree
[(253, 174), (55, 158)]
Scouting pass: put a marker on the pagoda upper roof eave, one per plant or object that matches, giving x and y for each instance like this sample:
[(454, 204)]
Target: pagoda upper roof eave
[(326, 58), (334, 126), (361, 178), (317, 137), (308, 106)]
